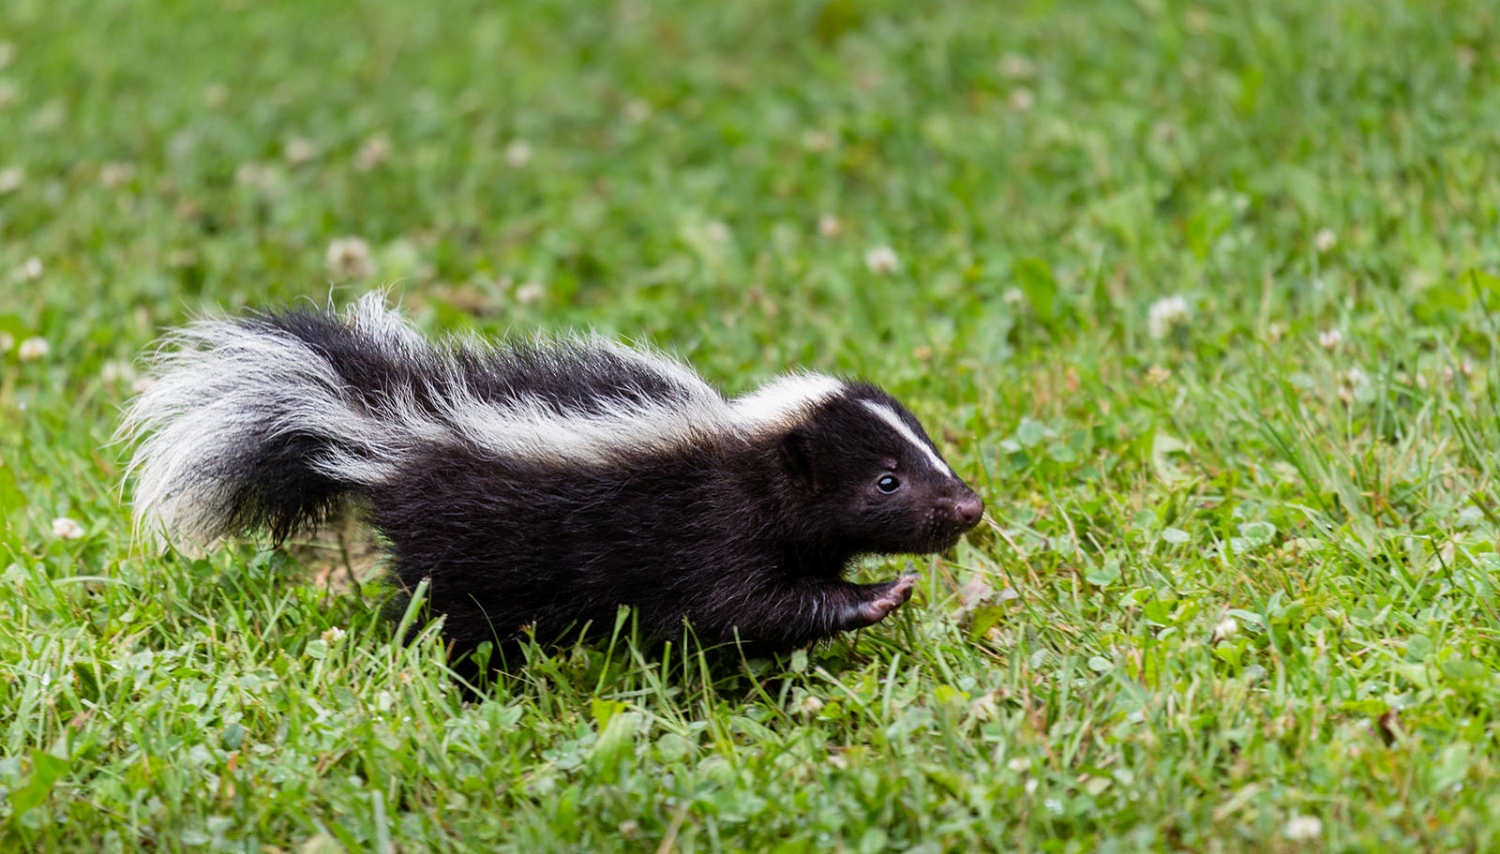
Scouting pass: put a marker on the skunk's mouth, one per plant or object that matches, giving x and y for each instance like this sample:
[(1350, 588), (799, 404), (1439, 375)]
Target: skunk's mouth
[(942, 537), (951, 540)]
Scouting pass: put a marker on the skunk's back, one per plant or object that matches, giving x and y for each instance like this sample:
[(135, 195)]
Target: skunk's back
[(273, 420)]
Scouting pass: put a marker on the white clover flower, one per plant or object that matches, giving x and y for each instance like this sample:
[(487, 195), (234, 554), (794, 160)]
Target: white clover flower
[(1353, 385), (179, 258), (1013, 296), (829, 225), (115, 174), (529, 292), (1019, 764), (716, 231), (1227, 627), (299, 150), (1016, 67), (1167, 314), (349, 258), (1301, 828), (810, 706), (372, 152), (984, 707), (1022, 100), (518, 153), (882, 259), (251, 175), (817, 141), (1330, 339), (334, 635), (34, 348), (637, 111), (215, 95), (64, 528), (115, 370), (7, 341), (30, 269), (11, 178), (1325, 240)]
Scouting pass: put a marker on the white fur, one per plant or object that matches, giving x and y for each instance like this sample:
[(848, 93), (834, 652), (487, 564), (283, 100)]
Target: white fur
[(783, 403), (885, 414), (222, 387), (369, 315), (531, 430)]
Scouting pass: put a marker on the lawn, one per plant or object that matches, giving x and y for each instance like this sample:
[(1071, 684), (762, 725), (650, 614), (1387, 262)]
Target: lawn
[(1203, 299)]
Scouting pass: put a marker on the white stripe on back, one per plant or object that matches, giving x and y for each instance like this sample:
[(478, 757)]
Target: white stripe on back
[(885, 414), (782, 403)]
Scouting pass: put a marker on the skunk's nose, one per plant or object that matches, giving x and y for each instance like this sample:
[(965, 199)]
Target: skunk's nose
[(968, 510)]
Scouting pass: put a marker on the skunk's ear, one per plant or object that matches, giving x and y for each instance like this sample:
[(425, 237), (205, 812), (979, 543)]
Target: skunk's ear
[(797, 458)]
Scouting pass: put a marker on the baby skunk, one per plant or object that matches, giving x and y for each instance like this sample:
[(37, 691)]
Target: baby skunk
[(544, 484)]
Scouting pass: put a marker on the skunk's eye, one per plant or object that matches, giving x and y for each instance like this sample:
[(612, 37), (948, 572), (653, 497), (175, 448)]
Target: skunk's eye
[(888, 484)]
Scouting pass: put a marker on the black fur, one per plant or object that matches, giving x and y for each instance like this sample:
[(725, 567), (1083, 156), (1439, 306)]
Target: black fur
[(746, 534)]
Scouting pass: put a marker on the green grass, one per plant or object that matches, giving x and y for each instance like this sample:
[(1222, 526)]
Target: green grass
[(1235, 579)]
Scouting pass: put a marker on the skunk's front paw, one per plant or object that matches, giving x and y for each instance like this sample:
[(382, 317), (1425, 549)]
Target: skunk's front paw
[(895, 594)]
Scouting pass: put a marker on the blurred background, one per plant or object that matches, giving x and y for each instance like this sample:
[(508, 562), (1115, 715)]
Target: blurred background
[(774, 182)]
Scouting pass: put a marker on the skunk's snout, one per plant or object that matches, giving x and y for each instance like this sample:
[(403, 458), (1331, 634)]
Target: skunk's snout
[(956, 514), (968, 509), (950, 517)]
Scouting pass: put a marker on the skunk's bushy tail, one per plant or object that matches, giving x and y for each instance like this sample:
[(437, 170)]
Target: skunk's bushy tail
[(269, 421)]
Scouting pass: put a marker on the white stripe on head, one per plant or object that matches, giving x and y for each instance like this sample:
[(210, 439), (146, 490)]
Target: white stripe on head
[(885, 414), (783, 403)]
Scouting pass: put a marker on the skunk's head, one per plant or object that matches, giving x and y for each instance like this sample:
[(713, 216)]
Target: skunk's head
[(866, 479)]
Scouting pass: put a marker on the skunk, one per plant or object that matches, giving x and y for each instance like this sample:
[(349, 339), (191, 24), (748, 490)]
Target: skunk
[(542, 484)]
